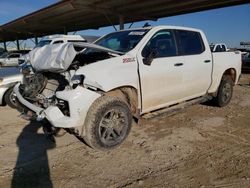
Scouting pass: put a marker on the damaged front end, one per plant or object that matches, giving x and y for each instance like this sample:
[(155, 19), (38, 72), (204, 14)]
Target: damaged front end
[(50, 89)]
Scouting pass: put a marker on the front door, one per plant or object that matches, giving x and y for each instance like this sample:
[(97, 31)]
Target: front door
[(162, 81)]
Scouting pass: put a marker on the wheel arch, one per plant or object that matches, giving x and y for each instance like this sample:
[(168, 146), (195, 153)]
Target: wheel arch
[(130, 95), (231, 73), (217, 77)]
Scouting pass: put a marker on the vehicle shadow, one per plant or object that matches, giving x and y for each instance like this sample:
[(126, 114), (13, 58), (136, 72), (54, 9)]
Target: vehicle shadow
[(32, 165)]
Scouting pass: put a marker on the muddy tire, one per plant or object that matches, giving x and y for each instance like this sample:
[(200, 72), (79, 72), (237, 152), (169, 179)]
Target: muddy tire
[(107, 124), (11, 100), (225, 92)]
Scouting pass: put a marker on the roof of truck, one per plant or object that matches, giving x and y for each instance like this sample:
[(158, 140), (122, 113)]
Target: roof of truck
[(161, 27)]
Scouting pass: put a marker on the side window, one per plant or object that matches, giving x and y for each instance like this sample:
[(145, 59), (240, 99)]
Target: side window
[(190, 42), (58, 42), (163, 42), (14, 56)]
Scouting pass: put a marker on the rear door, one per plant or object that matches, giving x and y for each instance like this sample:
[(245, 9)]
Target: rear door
[(198, 63)]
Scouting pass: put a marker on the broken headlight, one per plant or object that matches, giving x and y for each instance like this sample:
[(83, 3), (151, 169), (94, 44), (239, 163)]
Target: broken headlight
[(77, 80)]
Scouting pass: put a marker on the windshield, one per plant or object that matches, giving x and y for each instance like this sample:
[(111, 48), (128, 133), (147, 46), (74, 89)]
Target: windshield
[(4, 55), (43, 43), (122, 41)]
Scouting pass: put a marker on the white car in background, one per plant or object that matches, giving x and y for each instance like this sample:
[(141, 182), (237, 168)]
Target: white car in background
[(57, 39), (8, 59), (220, 47), (8, 78)]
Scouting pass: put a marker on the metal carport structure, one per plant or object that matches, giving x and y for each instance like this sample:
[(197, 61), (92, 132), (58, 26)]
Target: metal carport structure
[(74, 15)]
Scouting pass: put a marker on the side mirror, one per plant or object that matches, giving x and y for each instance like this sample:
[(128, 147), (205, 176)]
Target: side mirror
[(149, 57)]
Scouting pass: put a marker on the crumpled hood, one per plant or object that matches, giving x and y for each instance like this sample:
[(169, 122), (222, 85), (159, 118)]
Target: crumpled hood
[(110, 73), (58, 57)]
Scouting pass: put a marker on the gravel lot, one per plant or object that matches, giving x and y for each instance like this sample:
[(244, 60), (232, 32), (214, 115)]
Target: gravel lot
[(202, 146)]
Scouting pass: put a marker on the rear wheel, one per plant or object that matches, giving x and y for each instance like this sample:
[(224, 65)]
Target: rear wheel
[(225, 92), (108, 123)]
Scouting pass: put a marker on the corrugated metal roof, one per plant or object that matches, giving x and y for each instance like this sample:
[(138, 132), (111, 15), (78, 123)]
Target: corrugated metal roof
[(74, 15)]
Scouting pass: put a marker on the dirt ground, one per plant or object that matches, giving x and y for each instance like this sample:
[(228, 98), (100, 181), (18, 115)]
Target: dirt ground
[(202, 146)]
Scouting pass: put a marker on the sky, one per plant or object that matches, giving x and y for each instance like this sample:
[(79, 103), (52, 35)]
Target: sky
[(229, 25)]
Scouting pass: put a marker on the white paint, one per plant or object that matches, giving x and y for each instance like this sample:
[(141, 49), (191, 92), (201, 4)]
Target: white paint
[(221, 62), (162, 83), (80, 100), (2, 92)]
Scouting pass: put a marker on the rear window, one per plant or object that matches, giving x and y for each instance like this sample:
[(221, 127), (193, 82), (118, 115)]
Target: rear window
[(14, 56), (218, 49), (190, 42), (223, 48), (58, 42), (43, 43)]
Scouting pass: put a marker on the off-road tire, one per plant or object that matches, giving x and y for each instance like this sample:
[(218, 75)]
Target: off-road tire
[(225, 92), (107, 124), (8, 98)]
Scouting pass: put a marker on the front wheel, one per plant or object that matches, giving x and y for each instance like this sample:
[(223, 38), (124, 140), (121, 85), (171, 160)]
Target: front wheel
[(225, 92), (108, 123)]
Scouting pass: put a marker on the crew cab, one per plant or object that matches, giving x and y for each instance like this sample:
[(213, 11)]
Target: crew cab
[(125, 75)]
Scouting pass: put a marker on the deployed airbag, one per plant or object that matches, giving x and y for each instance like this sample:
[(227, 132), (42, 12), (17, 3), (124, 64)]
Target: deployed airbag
[(53, 57), (58, 57)]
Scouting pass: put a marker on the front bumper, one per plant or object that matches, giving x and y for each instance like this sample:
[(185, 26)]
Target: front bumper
[(79, 100)]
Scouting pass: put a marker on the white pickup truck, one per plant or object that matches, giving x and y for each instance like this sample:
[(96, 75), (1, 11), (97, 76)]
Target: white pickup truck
[(125, 75)]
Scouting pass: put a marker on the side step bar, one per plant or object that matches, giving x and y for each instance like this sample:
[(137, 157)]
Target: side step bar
[(168, 111)]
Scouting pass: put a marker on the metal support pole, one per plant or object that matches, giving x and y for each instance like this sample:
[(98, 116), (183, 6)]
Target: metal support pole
[(65, 31), (110, 21), (121, 22), (17, 44), (36, 40), (5, 46)]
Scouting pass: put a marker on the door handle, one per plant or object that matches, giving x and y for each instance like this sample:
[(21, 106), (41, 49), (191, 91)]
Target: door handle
[(178, 64), (207, 61)]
